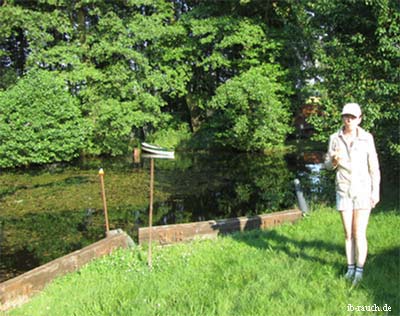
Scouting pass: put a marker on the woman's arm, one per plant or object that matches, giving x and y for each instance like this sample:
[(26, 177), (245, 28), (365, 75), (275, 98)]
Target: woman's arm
[(374, 171), (332, 156)]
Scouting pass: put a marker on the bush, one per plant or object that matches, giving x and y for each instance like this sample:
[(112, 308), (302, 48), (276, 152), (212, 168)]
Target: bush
[(251, 111), (40, 122), (171, 136), (112, 128)]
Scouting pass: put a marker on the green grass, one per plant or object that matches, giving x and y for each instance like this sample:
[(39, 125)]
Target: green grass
[(290, 270)]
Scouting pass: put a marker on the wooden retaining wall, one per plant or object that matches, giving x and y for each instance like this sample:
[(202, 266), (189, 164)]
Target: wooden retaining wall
[(169, 234), (18, 290)]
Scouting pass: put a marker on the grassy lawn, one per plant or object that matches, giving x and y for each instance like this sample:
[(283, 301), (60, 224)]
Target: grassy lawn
[(291, 270)]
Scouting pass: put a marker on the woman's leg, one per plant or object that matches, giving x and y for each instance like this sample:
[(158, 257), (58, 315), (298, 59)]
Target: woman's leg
[(360, 223), (347, 220)]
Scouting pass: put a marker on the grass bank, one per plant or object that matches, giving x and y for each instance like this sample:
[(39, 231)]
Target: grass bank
[(291, 270)]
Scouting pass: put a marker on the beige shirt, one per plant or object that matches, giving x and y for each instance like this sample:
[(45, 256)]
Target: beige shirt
[(357, 173)]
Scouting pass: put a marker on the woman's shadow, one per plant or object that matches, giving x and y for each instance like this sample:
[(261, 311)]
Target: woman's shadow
[(382, 277), (382, 270), (272, 239)]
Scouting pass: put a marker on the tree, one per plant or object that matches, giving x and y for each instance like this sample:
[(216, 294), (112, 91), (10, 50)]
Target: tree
[(251, 110), (357, 58), (40, 122), (104, 51), (221, 45), (138, 67)]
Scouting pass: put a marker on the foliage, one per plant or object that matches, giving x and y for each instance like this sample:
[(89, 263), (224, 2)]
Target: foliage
[(104, 55), (40, 122), (113, 122), (356, 60), (272, 272), (223, 46), (251, 111), (133, 64), (172, 135)]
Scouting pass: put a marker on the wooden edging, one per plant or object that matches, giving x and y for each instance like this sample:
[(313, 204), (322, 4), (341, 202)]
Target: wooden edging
[(168, 234), (18, 290)]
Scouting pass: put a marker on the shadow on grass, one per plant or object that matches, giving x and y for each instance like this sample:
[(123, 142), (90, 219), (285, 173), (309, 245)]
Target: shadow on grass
[(382, 270), (273, 240), (382, 278)]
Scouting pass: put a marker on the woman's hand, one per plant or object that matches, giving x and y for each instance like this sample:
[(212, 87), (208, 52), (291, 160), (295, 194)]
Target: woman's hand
[(335, 158)]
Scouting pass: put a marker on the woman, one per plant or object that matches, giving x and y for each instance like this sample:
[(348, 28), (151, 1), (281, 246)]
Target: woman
[(352, 154)]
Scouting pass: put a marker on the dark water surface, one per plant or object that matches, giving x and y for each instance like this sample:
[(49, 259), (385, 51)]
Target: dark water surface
[(48, 212)]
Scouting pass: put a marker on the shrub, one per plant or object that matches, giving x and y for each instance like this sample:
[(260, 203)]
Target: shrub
[(171, 136), (40, 122), (251, 111)]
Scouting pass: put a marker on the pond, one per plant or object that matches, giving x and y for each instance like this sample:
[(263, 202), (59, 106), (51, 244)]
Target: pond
[(48, 212)]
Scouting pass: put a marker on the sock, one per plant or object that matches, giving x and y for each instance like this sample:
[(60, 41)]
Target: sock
[(351, 267), (358, 275), (359, 272), (350, 271)]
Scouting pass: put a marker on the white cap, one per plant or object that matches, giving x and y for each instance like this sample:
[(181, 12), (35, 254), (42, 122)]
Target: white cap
[(352, 109)]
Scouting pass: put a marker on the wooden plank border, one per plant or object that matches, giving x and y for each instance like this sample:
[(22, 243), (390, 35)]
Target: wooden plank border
[(20, 289), (169, 234)]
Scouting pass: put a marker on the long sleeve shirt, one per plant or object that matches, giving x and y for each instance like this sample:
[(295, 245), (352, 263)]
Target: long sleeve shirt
[(357, 172)]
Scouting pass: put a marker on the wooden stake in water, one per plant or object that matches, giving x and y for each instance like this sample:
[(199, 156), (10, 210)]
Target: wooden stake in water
[(136, 155), (103, 195), (151, 209)]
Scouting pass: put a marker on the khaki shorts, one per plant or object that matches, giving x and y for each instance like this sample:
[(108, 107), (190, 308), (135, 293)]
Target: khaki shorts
[(344, 203)]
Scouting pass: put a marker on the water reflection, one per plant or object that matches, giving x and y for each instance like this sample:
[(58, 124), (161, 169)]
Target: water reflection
[(210, 187), (193, 187)]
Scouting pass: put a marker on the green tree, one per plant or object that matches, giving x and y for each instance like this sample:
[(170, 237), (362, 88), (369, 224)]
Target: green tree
[(104, 51), (40, 122), (357, 58), (140, 67), (223, 46), (251, 110)]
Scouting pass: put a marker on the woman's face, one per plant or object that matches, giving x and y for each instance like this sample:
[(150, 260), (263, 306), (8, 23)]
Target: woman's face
[(350, 121)]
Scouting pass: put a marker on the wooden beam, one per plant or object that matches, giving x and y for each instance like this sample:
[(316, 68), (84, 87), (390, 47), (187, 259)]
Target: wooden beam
[(18, 290), (169, 234)]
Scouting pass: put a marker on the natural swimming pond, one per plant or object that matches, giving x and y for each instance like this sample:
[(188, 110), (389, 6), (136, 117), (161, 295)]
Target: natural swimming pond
[(48, 212)]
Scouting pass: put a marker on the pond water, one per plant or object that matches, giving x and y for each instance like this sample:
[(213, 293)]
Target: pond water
[(48, 212)]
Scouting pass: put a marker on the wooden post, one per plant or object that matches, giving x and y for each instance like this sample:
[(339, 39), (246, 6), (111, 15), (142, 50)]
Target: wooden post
[(151, 209), (103, 195), (136, 155)]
